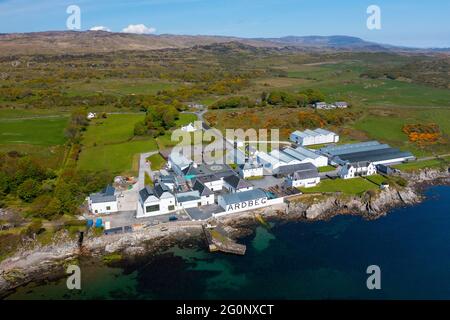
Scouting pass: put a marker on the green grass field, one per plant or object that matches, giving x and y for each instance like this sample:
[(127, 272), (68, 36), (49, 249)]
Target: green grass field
[(350, 186), (326, 169), (417, 165), (115, 128), (377, 179), (42, 131), (118, 86), (156, 161), (109, 144), (116, 158)]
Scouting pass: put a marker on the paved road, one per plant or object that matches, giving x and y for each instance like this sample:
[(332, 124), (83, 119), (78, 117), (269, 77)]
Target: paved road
[(434, 157), (144, 167)]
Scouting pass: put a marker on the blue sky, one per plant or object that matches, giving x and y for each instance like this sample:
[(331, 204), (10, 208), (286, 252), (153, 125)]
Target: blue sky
[(404, 22)]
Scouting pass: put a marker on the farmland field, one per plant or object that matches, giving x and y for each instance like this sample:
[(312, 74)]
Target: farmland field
[(41, 131), (119, 87), (116, 158), (109, 144), (115, 128)]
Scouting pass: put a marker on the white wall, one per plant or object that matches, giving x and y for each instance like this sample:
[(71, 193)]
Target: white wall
[(214, 185), (249, 173), (304, 183), (167, 204), (103, 208), (263, 202)]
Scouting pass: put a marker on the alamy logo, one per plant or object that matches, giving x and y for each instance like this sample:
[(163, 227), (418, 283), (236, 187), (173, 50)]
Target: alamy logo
[(374, 19), (74, 280), (374, 280), (73, 22)]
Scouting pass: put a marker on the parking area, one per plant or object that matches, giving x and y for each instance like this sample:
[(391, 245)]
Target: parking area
[(127, 200), (266, 182), (204, 212), (128, 218)]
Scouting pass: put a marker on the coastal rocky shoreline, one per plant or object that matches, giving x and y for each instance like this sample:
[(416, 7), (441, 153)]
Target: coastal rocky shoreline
[(48, 262)]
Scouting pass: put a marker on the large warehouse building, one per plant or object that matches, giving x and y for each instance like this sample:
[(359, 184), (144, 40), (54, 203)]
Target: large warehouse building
[(371, 151), (312, 137)]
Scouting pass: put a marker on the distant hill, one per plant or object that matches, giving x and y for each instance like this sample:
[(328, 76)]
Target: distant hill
[(77, 42)]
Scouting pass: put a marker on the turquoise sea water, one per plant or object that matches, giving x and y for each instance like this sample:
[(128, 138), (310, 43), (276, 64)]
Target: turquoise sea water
[(317, 260)]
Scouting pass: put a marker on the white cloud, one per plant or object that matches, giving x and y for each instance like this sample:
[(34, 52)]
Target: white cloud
[(100, 28), (138, 29)]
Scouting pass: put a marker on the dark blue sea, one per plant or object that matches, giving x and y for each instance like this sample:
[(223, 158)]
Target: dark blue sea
[(316, 260)]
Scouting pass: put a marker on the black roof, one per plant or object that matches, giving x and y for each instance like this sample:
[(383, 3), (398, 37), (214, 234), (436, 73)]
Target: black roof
[(375, 155), (236, 182), (156, 191), (106, 195), (307, 171), (201, 188), (291, 168)]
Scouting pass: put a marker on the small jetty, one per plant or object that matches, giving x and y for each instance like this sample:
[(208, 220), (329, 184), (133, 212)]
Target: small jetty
[(218, 241)]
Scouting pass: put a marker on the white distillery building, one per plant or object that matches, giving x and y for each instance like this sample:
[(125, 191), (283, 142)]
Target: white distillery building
[(236, 184), (206, 195), (103, 202), (155, 201), (178, 162), (307, 176), (251, 170), (243, 201), (268, 162), (313, 137), (307, 156), (356, 169)]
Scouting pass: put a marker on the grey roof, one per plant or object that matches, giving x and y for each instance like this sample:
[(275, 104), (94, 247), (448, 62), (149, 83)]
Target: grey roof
[(208, 178), (188, 196), (281, 156), (352, 147), (146, 192), (156, 191), (220, 170), (312, 133), (306, 171), (375, 155), (106, 195), (289, 169), (237, 183), (301, 153), (201, 188), (237, 197), (160, 188), (168, 178), (250, 165)]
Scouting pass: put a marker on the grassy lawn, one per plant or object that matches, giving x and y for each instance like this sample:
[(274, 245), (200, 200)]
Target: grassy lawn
[(350, 186), (147, 179), (417, 165), (377, 179), (156, 161), (116, 158), (42, 132), (326, 169), (115, 128), (30, 113)]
